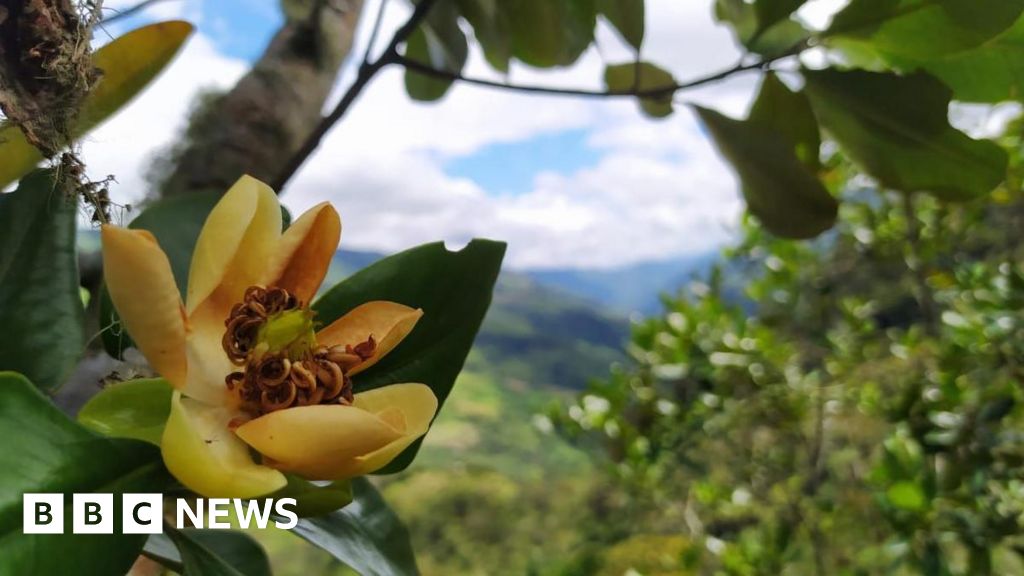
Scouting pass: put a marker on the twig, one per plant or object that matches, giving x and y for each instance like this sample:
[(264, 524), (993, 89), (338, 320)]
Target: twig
[(376, 31), (915, 262), (131, 11), (660, 92), (367, 70)]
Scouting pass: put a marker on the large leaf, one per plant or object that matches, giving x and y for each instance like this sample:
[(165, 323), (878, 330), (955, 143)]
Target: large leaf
[(779, 189), (366, 535), (546, 33), (315, 498), (922, 28), (490, 28), (134, 409), (440, 44), (640, 76), (40, 305), (44, 451), (454, 291), (992, 72), (896, 128), (128, 63), (209, 553), (627, 16), (764, 26), (790, 113)]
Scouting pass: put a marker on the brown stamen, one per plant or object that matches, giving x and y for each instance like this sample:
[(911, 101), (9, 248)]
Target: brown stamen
[(243, 324)]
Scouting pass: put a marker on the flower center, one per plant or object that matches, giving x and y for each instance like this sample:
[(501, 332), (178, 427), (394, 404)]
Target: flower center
[(272, 337)]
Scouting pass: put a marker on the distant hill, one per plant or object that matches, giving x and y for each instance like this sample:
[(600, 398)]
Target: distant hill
[(628, 289), (533, 333)]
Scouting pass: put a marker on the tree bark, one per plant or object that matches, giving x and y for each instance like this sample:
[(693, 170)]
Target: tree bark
[(264, 119)]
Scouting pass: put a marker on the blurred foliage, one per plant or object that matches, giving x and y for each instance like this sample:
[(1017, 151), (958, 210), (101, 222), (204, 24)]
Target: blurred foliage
[(846, 406)]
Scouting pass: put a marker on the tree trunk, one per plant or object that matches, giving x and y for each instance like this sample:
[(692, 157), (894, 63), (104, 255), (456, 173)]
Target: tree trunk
[(254, 128)]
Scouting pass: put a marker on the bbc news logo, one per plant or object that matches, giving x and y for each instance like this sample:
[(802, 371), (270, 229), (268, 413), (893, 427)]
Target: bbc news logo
[(144, 513)]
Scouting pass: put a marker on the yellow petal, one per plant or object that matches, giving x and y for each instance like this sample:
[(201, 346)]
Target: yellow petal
[(234, 247), (415, 404), (207, 457), (307, 247), (338, 442), (141, 285), (389, 323)]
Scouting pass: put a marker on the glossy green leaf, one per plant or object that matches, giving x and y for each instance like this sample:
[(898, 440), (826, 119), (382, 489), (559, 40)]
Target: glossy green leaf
[(40, 305), (454, 291), (211, 553), (128, 63), (546, 33), (779, 189), (46, 452), (906, 496), (315, 498), (896, 128), (627, 16), (922, 28), (640, 76), (440, 44), (134, 409), (771, 12), (789, 113), (490, 28), (366, 535)]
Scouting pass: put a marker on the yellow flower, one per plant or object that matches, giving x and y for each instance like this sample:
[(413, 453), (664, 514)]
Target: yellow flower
[(249, 369)]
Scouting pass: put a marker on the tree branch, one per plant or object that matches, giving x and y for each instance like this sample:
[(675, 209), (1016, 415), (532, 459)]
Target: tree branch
[(367, 70), (552, 90)]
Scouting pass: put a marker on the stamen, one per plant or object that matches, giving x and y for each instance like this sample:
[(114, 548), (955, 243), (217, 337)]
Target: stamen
[(281, 364)]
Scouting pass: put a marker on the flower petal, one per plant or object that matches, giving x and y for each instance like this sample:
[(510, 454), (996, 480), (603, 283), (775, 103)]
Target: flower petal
[(238, 239), (207, 457), (141, 286), (307, 247), (415, 404), (335, 442), (388, 322)]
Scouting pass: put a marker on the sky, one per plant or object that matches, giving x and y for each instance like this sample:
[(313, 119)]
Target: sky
[(567, 182)]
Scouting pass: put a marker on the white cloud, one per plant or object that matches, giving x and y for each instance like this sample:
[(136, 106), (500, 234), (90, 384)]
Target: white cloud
[(657, 191)]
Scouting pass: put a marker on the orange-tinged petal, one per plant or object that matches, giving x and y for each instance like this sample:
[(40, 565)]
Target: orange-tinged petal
[(207, 457), (141, 286), (337, 442), (388, 322), (234, 247), (414, 404), (306, 249)]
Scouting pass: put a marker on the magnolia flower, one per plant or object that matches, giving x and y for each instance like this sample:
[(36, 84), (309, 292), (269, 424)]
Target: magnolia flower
[(250, 369)]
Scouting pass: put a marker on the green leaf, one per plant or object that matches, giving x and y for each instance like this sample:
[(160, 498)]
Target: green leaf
[(454, 291), (134, 409), (315, 498), (906, 496), (40, 305), (896, 129), (176, 223), (627, 16), (440, 44), (779, 189), (990, 73), (490, 29), (44, 451), (790, 113), (546, 33), (922, 29), (640, 76), (366, 535), (211, 553), (765, 26), (128, 63)]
